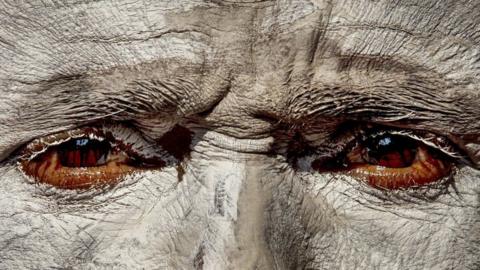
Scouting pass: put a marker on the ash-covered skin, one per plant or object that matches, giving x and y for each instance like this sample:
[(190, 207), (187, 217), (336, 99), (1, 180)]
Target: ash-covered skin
[(240, 75)]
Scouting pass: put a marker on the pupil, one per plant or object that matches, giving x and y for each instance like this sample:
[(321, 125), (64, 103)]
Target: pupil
[(393, 151), (83, 152)]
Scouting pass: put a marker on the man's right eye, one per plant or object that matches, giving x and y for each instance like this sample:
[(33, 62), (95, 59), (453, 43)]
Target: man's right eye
[(93, 156)]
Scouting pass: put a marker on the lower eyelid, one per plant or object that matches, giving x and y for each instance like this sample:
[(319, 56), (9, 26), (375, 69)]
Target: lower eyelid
[(419, 173), (49, 171)]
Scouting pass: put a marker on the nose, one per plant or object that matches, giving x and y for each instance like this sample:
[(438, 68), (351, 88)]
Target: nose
[(235, 237)]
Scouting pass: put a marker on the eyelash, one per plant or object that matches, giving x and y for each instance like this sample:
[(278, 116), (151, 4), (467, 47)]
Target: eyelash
[(118, 136), (352, 139)]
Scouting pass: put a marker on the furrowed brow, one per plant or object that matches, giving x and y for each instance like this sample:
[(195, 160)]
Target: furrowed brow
[(127, 93)]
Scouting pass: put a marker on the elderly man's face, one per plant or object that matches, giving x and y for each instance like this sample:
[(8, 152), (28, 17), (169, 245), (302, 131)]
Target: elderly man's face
[(240, 134)]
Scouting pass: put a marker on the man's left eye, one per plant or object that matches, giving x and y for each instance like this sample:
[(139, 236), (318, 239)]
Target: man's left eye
[(91, 157), (391, 161), (394, 161)]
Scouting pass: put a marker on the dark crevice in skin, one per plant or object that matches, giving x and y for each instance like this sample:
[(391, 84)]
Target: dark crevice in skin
[(210, 110), (6, 42), (215, 103), (198, 260), (180, 172), (319, 34), (219, 199), (240, 3), (297, 147), (116, 40), (177, 142), (57, 79), (267, 116), (371, 62)]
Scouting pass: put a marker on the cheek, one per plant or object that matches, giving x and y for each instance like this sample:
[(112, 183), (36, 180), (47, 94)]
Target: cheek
[(29, 223), (159, 223), (349, 227), (143, 217)]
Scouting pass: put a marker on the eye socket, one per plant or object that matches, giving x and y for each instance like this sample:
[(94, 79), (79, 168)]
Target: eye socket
[(390, 161), (85, 158)]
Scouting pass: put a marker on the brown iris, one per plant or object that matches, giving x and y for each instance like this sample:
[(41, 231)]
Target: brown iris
[(79, 163)]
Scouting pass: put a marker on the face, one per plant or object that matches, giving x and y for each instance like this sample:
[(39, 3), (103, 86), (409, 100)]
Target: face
[(240, 134)]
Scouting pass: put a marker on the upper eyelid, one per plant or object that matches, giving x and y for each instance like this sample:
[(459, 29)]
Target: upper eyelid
[(39, 145), (342, 139), (131, 138), (425, 140), (448, 148)]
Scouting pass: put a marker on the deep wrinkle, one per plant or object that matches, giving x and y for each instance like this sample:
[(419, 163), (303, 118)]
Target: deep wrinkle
[(242, 76)]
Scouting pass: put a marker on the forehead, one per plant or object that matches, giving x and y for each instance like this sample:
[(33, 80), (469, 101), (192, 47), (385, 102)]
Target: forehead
[(74, 36)]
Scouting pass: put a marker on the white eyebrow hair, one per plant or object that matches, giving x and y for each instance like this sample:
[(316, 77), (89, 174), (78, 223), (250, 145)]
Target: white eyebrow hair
[(415, 105), (125, 94), (405, 93)]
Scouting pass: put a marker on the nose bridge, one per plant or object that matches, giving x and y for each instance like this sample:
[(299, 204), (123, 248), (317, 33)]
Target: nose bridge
[(235, 237)]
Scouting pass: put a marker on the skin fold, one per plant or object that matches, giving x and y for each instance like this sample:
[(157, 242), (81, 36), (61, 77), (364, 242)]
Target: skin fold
[(243, 77)]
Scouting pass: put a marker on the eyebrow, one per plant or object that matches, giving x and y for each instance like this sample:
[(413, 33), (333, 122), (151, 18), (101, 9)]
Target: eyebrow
[(383, 63), (127, 93), (415, 101), (65, 102)]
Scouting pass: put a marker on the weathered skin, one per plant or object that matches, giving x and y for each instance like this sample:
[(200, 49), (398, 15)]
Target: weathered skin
[(240, 75)]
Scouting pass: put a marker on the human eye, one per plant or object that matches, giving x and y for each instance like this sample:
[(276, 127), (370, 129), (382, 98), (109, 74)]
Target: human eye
[(392, 159), (90, 156)]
